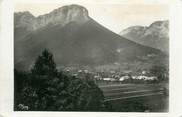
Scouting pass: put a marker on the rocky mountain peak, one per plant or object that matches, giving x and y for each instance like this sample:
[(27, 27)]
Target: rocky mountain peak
[(158, 28), (160, 24), (133, 29), (62, 16), (23, 14), (71, 11), (23, 19), (155, 35)]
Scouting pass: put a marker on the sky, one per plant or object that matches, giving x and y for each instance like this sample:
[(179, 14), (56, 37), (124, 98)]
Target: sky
[(114, 16)]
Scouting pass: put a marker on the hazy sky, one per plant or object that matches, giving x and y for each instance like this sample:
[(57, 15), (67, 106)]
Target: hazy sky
[(115, 17)]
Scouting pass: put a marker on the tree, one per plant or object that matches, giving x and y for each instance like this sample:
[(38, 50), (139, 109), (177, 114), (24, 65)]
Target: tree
[(43, 77), (45, 65), (50, 90)]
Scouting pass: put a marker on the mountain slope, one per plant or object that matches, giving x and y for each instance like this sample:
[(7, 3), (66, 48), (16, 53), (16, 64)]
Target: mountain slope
[(82, 42), (155, 35)]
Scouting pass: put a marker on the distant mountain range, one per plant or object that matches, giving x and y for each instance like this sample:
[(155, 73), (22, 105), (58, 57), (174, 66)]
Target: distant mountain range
[(75, 38), (155, 35)]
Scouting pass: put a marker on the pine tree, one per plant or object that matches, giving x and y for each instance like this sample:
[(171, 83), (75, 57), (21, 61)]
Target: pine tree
[(45, 65), (44, 73)]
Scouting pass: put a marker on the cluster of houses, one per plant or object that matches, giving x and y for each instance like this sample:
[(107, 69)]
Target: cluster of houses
[(126, 77), (113, 75)]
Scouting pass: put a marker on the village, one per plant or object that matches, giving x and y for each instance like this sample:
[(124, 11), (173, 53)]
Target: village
[(113, 75)]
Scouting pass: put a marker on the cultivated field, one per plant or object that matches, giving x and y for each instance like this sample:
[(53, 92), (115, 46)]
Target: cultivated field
[(137, 97)]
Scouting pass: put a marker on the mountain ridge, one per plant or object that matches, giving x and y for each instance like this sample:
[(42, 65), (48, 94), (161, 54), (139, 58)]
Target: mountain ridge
[(155, 35), (85, 42), (62, 15)]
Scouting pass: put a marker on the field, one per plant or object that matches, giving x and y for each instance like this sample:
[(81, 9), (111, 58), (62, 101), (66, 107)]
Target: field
[(137, 97)]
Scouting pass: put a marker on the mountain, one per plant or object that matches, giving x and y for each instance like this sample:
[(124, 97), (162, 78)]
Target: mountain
[(75, 38), (25, 22), (155, 35)]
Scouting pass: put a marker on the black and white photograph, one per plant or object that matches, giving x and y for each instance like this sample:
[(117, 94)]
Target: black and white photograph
[(91, 57)]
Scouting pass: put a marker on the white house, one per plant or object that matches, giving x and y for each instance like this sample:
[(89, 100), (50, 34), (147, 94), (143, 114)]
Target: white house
[(109, 79)]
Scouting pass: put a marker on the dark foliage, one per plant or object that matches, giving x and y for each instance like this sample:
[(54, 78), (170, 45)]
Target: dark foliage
[(162, 72), (46, 89), (45, 65)]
